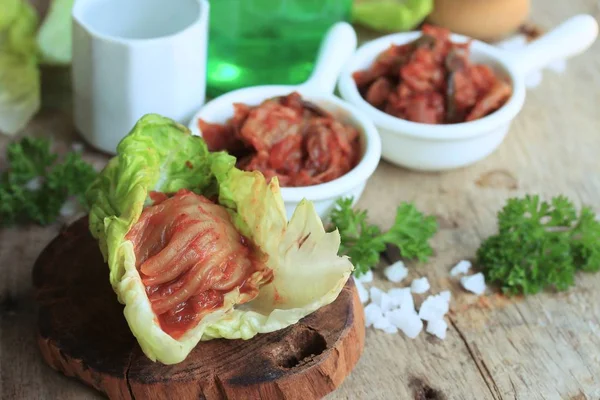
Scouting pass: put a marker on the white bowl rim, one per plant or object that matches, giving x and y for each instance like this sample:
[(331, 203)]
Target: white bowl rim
[(328, 190), (450, 132)]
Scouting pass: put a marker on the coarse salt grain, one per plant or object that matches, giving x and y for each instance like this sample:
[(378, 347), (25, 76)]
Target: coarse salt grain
[(401, 297), (396, 272), (69, 208), (474, 283), (407, 321), (34, 184), (376, 295), (437, 327), (372, 314), (435, 306), (363, 294), (420, 285), (462, 267), (367, 277)]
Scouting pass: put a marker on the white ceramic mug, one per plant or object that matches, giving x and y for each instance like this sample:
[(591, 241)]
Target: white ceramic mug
[(133, 57)]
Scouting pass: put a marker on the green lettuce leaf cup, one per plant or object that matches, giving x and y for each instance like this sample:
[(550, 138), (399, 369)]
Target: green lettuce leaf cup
[(161, 156)]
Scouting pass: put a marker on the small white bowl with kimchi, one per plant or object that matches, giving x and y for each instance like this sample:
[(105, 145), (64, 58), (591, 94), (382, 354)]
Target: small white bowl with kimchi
[(442, 101), (318, 146)]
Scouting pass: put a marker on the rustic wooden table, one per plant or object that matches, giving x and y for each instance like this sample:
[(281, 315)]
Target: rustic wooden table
[(543, 347)]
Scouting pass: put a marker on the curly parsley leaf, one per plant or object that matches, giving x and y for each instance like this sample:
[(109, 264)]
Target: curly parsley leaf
[(364, 242), (411, 233), (585, 241), (540, 245), (28, 159), (32, 159), (73, 176)]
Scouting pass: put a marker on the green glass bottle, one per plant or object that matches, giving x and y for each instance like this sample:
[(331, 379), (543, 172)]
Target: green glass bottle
[(259, 42)]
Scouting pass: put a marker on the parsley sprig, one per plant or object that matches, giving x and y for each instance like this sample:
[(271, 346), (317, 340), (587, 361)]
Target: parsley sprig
[(540, 245), (31, 159), (364, 242)]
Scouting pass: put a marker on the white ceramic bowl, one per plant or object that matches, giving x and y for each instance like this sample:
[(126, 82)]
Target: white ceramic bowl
[(337, 48), (430, 147)]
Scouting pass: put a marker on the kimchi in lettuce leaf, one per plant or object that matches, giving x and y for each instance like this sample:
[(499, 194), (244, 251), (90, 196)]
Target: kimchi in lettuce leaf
[(198, 249)]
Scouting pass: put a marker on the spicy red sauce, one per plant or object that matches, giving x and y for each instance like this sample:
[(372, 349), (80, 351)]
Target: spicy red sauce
[(157, 197), (289, 138), (431, 80), (189, 256)]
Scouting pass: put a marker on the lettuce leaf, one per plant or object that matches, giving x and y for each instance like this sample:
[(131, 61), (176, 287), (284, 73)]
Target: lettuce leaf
[(161, 155), (10, 10), (391, 15), (54, 36), (19, 74), (308, 273), (22, 48)]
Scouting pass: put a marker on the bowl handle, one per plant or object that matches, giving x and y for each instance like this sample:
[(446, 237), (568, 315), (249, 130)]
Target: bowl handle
[(569, 39), (336, 48)]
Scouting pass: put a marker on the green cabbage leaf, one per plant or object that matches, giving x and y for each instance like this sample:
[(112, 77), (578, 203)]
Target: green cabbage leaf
[(161, 155), (19, 74), (22, 49)]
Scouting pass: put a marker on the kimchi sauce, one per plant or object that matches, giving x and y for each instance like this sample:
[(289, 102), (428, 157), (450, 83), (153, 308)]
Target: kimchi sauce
[(431, 80), (286, 137), (190, 256)]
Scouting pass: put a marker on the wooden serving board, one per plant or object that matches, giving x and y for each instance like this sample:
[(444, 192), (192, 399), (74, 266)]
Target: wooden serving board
[(83, 334)]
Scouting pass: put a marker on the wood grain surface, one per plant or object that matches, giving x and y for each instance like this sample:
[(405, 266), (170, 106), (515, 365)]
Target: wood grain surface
[(83, 334), (540, 347)]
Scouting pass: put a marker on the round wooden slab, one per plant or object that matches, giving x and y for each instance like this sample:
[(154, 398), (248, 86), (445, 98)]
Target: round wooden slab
[(83, 334)]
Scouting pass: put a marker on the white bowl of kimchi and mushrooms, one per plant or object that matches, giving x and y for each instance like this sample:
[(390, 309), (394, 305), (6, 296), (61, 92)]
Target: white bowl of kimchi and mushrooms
[(442, 101), (319, 147)]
